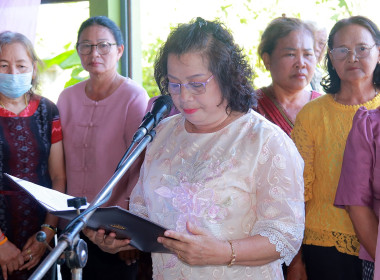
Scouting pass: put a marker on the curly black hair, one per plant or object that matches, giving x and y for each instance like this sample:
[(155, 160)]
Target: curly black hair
[(331, 82), (227, 62)]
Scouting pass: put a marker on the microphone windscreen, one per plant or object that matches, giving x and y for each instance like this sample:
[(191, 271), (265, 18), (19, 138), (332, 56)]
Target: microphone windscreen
[(160, 102)]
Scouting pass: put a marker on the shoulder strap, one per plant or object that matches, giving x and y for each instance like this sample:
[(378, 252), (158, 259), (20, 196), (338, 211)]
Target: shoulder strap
[(274, 112)]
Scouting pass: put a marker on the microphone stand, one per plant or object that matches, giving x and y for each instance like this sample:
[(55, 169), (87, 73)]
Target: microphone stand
[(70, 238)]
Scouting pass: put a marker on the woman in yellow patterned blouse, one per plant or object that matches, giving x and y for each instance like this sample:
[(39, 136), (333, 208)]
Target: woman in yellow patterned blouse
[(330, 247)]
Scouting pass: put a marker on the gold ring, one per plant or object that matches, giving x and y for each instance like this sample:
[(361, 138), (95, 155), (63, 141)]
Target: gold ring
[(28, 251), (179, 256)]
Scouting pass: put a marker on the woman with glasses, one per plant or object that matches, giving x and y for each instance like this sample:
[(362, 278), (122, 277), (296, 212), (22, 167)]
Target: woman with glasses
[(225, 181), (99, 117), (287, 50), (330, 245), (358, 188)]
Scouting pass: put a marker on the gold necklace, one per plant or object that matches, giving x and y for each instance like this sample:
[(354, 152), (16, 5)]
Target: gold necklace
[(25, 99)]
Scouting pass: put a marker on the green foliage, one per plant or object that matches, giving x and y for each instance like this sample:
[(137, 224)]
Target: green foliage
[(149, 56), (69, 59), (224, 9), (251, 16), (344, 4)]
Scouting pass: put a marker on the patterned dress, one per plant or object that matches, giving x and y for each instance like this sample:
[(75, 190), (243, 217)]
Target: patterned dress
[(243, 180), (25, 142)]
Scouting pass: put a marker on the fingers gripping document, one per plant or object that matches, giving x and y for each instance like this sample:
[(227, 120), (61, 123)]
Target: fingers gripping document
[(142, 232)]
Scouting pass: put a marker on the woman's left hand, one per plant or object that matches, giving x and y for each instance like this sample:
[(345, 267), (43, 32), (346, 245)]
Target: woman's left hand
[(201, 248), (32, 252), (107, 243)]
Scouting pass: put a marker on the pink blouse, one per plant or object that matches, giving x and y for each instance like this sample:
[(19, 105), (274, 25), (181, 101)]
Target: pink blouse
[(96, 136)]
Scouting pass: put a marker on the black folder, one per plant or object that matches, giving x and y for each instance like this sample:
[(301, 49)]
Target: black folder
[(142, 232)]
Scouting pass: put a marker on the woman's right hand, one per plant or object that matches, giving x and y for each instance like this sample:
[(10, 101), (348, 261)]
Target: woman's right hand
[(10, 258), (107, 243)]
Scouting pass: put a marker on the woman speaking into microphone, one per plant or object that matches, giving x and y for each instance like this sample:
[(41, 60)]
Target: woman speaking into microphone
[(226, 182)]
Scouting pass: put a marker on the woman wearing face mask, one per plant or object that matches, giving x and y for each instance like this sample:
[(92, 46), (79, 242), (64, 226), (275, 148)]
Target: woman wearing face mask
[(31, 149)]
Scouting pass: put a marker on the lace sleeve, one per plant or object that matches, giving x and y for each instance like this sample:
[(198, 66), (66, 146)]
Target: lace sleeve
[(280, 203), (305, 145), (137, 204)]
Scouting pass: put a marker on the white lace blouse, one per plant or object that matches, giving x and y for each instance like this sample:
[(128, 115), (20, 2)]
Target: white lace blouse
[(243, 180)]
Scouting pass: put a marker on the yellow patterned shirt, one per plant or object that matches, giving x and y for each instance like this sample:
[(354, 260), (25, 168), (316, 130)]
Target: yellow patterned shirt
[(320, 134)]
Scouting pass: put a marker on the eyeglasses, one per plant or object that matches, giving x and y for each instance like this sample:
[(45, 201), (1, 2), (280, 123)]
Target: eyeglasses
[(359, 52), (195, 88), (101, 48)]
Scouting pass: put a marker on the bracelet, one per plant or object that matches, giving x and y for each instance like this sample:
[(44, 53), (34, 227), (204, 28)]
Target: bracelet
[(233, 254), (54, 229), (4, 240)]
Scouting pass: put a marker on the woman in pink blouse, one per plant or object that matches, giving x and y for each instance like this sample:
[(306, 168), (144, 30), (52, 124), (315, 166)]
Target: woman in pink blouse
[(99, 117)]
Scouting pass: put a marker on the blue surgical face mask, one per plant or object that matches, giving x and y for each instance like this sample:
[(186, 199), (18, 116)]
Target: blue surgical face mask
[(15, 85)]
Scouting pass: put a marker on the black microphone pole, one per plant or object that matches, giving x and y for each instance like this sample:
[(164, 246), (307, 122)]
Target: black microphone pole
[(160, 109)]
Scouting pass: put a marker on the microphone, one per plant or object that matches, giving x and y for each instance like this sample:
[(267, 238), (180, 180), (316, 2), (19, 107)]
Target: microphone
[(160, 109)]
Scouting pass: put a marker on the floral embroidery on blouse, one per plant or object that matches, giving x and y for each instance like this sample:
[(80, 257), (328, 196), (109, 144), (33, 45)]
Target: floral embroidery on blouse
[(241, 181), (189, 194)]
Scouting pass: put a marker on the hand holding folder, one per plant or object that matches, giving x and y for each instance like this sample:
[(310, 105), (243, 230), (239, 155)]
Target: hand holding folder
[(142, 232)]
